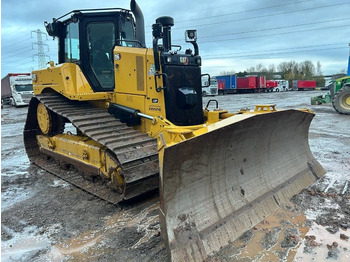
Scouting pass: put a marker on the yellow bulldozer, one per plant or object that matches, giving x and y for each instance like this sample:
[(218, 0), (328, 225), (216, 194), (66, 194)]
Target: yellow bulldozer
[(127, 119)]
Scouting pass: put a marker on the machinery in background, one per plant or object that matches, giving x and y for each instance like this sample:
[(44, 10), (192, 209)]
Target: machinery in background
[(339, 94)]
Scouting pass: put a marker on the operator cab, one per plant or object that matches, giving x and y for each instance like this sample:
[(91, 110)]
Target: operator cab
[(96, 34)]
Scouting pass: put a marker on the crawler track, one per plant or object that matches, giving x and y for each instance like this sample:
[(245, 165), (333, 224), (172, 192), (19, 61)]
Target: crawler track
[(136, 152)]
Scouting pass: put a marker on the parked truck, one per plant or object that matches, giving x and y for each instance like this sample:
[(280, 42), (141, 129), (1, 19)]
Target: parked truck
[(16, 89), (212, 89), (282, 85), (303, 85)]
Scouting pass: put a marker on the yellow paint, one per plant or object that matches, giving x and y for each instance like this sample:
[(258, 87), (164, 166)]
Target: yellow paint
[(43, 118), (66, 79), (128, 78), (76, 149), (347, 101), (265, 108)]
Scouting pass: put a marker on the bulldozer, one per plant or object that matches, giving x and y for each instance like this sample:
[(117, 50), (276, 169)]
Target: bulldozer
[(118, 120)]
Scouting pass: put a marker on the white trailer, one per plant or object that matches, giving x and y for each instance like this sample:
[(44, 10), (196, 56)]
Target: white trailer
[(16, 89)]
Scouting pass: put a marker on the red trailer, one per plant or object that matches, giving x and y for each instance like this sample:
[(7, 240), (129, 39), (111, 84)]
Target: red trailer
[(303, 85), (247, 84), (271, 83), (261, 83)]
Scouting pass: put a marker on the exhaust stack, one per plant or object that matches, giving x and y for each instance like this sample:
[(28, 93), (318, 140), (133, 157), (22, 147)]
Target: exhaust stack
[(140, 23)]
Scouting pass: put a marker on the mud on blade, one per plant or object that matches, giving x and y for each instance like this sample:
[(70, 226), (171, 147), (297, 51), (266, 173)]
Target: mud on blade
[(218, 185)]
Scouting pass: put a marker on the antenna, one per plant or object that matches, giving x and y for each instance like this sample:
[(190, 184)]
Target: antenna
[(41, 52)]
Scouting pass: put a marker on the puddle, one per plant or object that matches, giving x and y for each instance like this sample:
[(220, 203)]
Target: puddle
[(74, 247), (24, 246), (15, 196), (61, 183), (318, 251)]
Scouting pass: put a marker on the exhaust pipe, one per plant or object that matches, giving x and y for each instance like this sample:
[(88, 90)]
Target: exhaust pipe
[(140, 24)]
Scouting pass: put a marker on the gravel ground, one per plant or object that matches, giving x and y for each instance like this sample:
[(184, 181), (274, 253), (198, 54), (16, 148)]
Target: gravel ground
[(45, 219)]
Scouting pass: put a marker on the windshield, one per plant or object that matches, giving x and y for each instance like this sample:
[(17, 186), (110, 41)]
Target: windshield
[(21, 88), (213, 81)]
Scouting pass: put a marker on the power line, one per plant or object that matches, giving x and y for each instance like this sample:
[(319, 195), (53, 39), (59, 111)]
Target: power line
[(2, 48), (268, 29), (268, 15), (245, 11), (280, 53), (240, 12), (216, 7), (15, 52), (16, 68), (16, 56), (17, 61), (269, 50), (283, 33), (275, 28)]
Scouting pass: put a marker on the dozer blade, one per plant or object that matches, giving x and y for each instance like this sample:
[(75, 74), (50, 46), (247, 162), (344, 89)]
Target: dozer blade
[(217, 185)]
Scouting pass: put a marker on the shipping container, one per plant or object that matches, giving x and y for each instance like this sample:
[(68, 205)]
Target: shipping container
[(246, 84), (303, 85), (261, 82), (227, 84)]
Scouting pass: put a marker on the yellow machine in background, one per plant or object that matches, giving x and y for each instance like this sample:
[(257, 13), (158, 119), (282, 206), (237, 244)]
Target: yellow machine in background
[(139, 124)]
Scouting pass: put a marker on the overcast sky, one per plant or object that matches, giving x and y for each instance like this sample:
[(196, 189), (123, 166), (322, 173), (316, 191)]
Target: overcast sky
[(232, 35)]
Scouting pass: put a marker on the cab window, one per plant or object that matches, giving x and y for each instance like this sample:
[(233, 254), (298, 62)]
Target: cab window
[(127, 33), (101, 40), (71, 44)]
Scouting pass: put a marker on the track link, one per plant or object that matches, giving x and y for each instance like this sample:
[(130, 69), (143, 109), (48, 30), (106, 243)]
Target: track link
[(136, 152)]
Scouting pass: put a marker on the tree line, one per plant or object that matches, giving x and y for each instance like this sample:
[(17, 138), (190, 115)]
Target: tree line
[(291, 70)]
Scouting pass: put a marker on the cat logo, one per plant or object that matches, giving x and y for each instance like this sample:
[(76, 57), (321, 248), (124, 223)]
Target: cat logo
[(184, 60)]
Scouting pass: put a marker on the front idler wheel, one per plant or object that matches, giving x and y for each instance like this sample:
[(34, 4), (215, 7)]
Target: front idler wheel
[(49, 122)]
